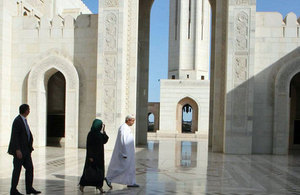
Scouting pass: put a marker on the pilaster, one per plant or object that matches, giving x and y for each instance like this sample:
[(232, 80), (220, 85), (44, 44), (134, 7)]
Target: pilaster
[(239, 81), (116, 66)]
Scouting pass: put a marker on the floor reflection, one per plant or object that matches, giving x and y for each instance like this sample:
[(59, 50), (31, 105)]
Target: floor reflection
[(188, 154), (166, 167)]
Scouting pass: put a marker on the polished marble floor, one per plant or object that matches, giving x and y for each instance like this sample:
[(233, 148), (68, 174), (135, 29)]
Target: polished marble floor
[(166, 167)]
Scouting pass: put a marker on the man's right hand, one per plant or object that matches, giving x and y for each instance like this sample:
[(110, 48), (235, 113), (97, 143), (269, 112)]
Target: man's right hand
[(19, 154)]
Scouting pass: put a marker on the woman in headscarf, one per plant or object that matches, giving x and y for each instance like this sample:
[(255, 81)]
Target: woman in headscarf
[(94, 154)]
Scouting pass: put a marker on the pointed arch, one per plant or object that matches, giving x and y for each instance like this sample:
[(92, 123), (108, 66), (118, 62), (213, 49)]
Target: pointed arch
[(282, 106), (38, 76), (151, 124), (180, 105)]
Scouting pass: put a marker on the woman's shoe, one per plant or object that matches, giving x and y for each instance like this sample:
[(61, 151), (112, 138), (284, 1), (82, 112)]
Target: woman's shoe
[(133, 186), (100, 189), (81, 188), (108, 183)]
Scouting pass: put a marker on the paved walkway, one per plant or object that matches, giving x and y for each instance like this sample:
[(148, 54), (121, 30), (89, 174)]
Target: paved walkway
[(166, 167)]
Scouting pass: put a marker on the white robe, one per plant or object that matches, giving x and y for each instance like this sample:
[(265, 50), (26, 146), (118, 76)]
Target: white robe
[(121, 170)]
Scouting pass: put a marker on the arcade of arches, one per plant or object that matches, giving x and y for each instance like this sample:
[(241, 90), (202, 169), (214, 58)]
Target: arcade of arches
[(104, 60), (242, 117)]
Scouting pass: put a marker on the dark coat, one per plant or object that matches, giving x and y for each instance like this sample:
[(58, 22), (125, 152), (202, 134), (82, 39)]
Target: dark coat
[(19, 138), (94, 149)]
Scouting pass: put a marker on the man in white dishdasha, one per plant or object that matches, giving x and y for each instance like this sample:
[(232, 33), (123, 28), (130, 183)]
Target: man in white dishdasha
[(121, 168)]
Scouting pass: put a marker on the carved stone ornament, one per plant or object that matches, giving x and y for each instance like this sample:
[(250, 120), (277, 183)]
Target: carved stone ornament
[(109, 104), (241, 31), (111, 3), (240, 70), (240, 62), (59, 63), (111, 32), (37, 4), (129, 62), (242, 2), (110, 69), (110, 60)]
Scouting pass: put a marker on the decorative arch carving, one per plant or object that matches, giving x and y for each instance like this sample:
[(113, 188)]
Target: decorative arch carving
[(53, 59), (111, 3), (282, 106)]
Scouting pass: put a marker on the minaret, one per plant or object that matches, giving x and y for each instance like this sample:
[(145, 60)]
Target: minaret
[(189, 38)]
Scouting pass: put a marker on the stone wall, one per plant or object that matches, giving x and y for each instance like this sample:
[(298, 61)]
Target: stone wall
[(276, 38), (75, 40), (154, 108), (172, 91), (7, 9), (72, 7), (51, 8)]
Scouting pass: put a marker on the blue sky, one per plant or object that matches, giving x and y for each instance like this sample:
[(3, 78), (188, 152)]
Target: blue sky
[(159, 35)]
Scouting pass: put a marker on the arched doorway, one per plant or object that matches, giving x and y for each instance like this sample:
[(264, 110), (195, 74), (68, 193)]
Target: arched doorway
[(284, 97), (56, 98), (294, 135), (50, 63), (187, 116), (151, 122)]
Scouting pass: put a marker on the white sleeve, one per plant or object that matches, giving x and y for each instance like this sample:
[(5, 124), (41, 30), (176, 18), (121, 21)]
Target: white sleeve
[(123, 143)]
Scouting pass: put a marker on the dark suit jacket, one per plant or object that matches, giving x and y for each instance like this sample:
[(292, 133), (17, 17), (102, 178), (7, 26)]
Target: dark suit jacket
[(19, 138)]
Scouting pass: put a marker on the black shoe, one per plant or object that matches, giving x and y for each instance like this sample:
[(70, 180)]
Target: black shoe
[(15, 193), (33, 191), (108, 183), (100, 189), (81, 188), (133, 186)]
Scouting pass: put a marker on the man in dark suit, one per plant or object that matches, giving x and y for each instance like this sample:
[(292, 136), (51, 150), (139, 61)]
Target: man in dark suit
[(20, 147)]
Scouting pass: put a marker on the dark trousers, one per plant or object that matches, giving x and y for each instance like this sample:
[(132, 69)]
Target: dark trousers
[(26, 162)]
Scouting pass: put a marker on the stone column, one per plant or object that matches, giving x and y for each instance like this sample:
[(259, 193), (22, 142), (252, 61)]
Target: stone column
[(117, 64), (232, 66), (218, 70), (143, 71), (212, 62), (239, 71), (7, 10)]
